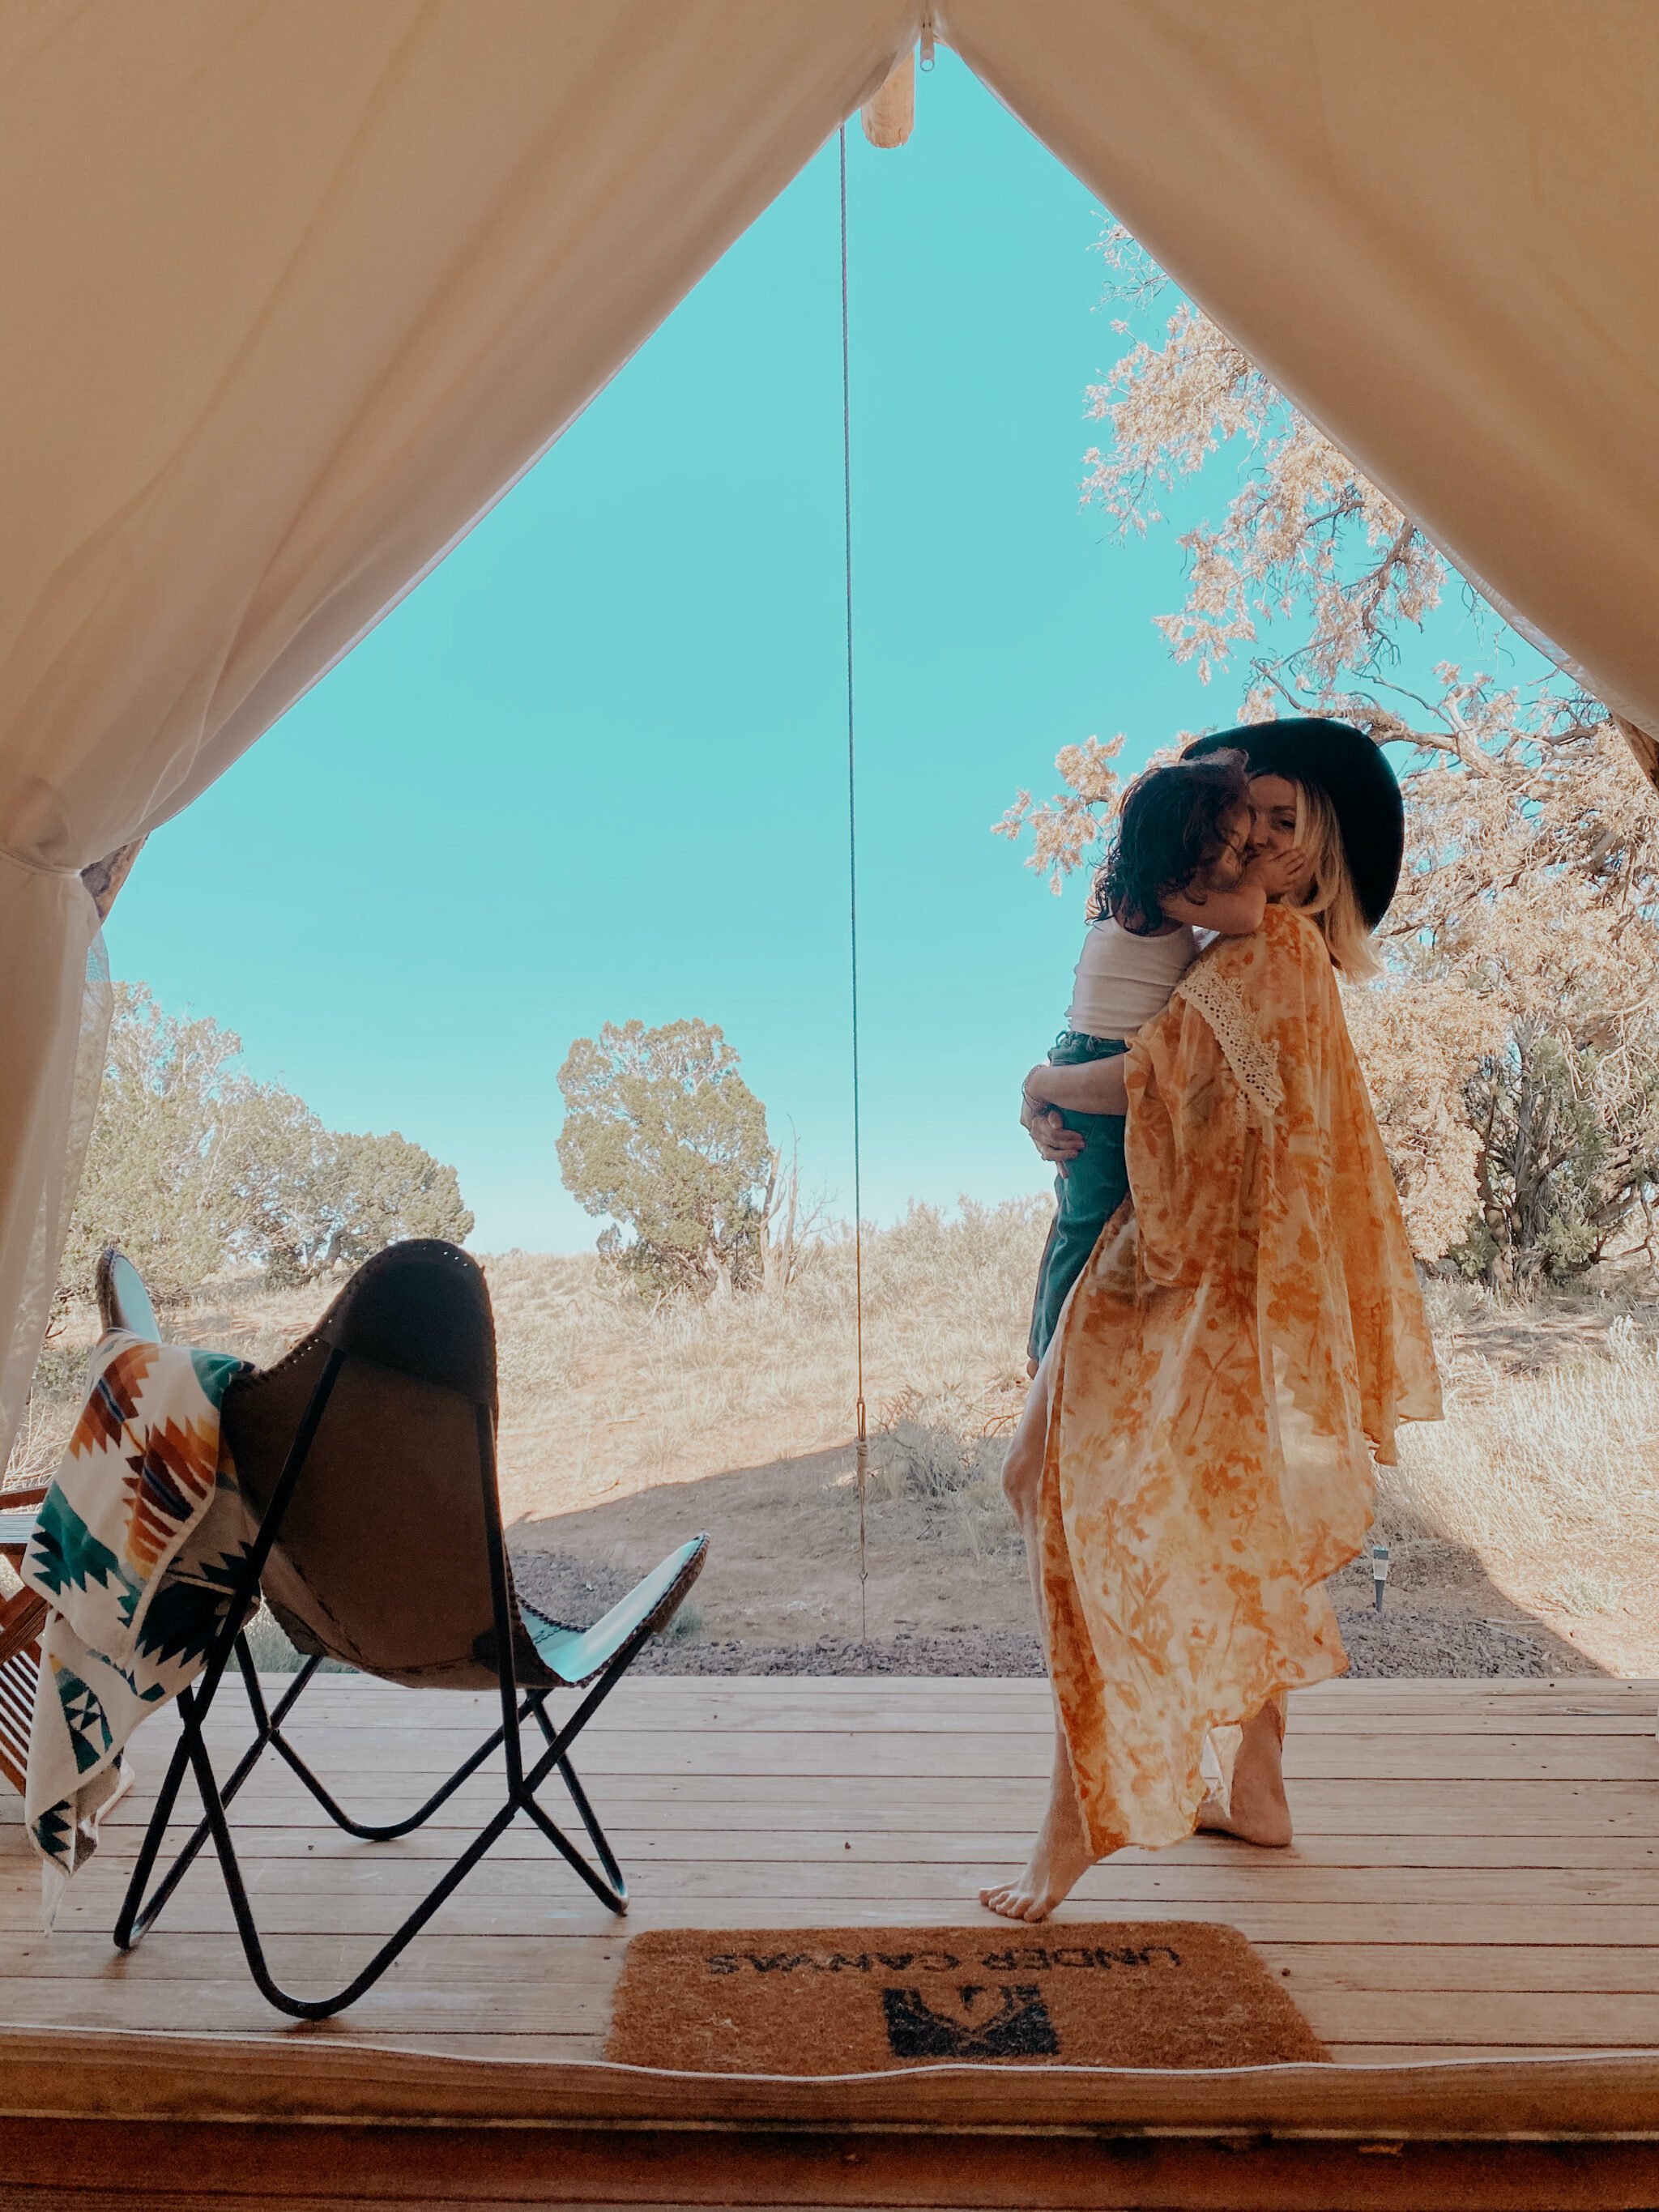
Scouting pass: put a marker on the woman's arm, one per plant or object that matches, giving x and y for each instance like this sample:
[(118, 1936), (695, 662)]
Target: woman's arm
[(1235, 913), (1095, 1086)]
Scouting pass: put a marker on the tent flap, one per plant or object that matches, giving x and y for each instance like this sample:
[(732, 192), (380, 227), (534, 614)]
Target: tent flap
[(294, 293), (1432, 226)]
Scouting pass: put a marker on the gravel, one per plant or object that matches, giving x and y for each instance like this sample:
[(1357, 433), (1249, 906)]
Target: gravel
[(572, 1591), (971, 1652), (1401, 1641)]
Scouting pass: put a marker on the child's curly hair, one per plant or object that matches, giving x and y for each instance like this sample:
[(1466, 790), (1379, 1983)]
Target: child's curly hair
[(1168, 827)]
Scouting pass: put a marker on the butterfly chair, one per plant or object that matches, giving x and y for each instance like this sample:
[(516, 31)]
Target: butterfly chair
[(23, 1615), (367, 1461)]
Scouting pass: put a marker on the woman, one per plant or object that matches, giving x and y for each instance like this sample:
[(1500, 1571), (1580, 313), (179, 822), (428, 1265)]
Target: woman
[(1194, 1458)]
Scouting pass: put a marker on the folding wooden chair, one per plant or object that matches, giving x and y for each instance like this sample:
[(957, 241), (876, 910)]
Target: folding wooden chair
[(366, 1458)]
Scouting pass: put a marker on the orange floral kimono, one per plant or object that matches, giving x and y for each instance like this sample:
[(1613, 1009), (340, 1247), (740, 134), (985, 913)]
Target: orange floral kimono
[(1247, 1333)]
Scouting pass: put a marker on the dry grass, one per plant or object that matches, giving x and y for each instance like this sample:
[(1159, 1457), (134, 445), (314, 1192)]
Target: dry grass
[(614, 1390), (601, 1392), (1544, 1470)]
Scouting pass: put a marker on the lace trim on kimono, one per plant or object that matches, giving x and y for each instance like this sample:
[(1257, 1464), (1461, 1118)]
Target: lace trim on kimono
[(1253, 1059)]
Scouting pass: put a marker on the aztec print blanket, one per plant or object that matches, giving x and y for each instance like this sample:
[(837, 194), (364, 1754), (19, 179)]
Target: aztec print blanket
[(137, 1549)]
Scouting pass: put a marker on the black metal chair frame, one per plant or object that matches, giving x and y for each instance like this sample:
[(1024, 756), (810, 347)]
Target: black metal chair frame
[(138, 1914)]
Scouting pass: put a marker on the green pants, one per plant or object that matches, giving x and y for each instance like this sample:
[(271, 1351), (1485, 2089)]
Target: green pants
[(1086, 1196)]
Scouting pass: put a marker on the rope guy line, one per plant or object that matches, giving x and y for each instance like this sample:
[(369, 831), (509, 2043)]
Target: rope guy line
[(861, 1446)]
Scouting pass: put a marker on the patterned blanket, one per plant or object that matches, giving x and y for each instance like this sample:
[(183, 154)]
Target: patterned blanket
[(137, 1549)]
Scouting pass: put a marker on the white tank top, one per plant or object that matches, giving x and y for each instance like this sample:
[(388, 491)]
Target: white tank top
[(1122, 979)]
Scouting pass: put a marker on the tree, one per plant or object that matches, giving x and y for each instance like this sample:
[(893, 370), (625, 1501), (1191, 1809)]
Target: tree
[(662, 1134), (1513, 1050), (279, 1163), (193, 1166), (306, 1199), (386, 1188), (153, 1177)]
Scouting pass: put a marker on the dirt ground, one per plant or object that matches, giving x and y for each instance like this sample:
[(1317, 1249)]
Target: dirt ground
[(943, 1586), (1403, 1638)]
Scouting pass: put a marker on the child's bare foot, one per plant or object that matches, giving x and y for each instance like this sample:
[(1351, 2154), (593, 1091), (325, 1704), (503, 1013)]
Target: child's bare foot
[(1258, 1811), (1060, 1857)]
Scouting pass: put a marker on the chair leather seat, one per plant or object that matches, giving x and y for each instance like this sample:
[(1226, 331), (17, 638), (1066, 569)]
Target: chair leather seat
[(577, 1655)]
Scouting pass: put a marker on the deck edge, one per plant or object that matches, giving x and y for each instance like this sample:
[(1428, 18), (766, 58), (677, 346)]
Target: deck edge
[(112, 2074)]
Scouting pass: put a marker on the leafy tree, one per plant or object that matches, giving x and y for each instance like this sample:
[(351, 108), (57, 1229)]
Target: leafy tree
[(306, 1199), (386, 1188), (193, 1166), (154, 1174), (662, 1134), (279, 1163), (1514, 1051)]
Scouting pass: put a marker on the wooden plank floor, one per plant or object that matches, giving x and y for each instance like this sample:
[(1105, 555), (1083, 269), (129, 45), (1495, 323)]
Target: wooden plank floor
[(1476, 1871)]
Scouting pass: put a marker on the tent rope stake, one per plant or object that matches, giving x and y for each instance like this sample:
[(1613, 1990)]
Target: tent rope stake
[(861, 1444)]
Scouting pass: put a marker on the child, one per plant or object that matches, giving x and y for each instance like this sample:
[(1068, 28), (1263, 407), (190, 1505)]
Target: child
[(1175, 866)]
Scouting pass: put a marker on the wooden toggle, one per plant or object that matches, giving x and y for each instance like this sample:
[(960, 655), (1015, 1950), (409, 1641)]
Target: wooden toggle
[(890, 116)]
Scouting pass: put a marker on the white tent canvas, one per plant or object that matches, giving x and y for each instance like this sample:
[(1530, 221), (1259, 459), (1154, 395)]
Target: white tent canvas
[(297, 291)]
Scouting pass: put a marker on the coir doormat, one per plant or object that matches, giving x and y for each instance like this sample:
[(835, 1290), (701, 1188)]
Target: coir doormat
[(1166, 1993)]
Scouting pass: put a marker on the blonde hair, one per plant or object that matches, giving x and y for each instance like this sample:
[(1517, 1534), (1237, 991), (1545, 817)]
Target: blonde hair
[(1330, 901)]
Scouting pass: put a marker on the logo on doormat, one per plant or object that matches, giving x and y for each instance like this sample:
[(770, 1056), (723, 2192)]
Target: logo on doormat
[(1016, 2026)]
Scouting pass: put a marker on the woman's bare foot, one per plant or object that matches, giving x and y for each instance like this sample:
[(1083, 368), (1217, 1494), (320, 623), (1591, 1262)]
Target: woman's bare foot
[(1060, 1854), (1258, 1811)]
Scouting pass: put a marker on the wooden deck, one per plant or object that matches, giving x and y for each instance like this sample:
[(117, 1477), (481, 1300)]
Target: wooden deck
[(1475, 1878)]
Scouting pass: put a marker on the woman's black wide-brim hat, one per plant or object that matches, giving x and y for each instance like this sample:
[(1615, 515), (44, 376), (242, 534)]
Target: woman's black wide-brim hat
[(1354, 775)]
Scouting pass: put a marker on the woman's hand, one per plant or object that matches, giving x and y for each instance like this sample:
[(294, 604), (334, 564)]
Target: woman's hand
[(1281, 875), (1057, 1144)]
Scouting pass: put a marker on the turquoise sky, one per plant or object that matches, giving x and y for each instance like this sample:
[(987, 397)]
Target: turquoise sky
[(595, 769)]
